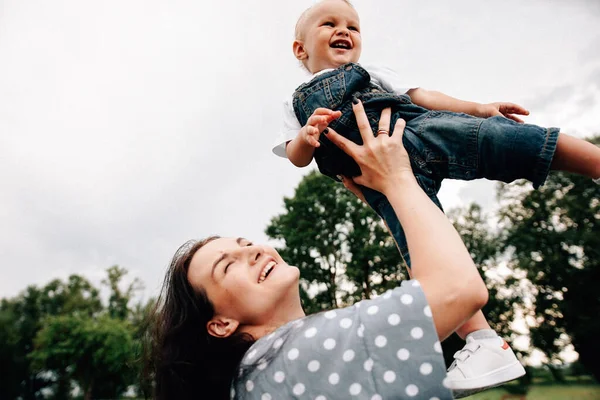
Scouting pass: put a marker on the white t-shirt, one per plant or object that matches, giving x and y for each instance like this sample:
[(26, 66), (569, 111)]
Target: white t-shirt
[(384, 77)]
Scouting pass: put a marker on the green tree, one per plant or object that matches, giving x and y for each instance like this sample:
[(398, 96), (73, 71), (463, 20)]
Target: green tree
[(90, 351), (340, 245), (26, 320), (554, 234), (22, 318), (481, 240), (118, 302)]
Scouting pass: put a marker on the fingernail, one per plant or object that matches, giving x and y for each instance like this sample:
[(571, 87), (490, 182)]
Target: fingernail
[(355, 99), (326, 131)]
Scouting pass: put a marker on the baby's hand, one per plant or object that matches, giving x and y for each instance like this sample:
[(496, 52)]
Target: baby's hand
[(503, 109), (316, 123)]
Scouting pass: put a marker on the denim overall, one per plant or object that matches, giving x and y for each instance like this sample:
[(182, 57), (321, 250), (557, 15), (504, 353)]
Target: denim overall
[(440, 144)]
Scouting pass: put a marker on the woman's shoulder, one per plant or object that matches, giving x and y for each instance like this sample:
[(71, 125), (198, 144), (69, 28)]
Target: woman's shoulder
[(344, 349)]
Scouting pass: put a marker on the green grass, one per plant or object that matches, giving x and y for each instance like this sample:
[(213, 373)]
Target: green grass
[(545, 392)]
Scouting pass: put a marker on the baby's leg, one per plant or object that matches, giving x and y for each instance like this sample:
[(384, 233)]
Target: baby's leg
[(508, 150), (577, 156)]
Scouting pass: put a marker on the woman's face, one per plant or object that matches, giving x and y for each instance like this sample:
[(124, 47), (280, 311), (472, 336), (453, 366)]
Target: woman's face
[(247, 283)]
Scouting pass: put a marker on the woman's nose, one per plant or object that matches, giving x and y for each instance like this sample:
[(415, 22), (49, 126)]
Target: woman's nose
[(254, 253)]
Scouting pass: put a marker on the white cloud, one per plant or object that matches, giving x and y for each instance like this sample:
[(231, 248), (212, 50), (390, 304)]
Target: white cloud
[(128, 127)]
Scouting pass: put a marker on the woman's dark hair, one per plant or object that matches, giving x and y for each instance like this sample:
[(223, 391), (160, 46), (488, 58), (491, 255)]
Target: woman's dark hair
[(185, 361)]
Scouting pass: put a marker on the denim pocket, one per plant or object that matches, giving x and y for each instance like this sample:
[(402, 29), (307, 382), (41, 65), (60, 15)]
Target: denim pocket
[(325, 93)]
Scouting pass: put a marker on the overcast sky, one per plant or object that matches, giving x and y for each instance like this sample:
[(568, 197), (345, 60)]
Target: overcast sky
[(130, 126)]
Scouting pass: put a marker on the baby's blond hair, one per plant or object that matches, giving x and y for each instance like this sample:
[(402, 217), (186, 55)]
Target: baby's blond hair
[(298, 30)]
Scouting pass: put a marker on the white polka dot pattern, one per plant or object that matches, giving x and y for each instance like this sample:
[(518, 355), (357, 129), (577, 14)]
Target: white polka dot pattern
[(403, 354), (380, 341), (406, 299), (250, 355), (314, 366), (262, 365), (348, 355), (279, 376), (361, 330), (293, 354), (310, 332), (298, 389), (389, 376), (426, 368), (446, 382), (355, 389), (346, 323), (416, 333), (334, 378), (412, 390), (388, 348), (394, 319), (427, 311)]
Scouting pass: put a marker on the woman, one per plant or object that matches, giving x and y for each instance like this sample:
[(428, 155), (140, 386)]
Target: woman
[(230, 321)]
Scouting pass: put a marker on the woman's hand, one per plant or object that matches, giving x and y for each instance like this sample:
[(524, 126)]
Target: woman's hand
[(383, 160)]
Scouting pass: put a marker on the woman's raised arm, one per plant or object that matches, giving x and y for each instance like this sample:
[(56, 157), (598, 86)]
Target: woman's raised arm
[(440, 260)]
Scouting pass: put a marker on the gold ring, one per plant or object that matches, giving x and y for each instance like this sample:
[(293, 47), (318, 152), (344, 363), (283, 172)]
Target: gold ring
[(379, 132)]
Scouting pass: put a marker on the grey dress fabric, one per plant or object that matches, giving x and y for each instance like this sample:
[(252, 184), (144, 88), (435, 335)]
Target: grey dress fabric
[(384, 348)]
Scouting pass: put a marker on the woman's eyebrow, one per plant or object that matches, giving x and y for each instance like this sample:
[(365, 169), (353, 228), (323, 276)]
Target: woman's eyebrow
[(239, 242), (212, 272)]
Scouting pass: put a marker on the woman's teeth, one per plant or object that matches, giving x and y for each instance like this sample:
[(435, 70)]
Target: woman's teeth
[(269, 267)]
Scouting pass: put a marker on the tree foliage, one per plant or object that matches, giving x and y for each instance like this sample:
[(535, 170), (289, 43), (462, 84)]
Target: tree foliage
[(96, 353), (554, 236), (63, 334), (340, 245)]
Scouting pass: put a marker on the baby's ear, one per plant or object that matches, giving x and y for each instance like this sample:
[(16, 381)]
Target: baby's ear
[(299, 50)]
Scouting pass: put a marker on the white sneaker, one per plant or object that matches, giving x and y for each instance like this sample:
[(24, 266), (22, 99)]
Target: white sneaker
[(482, 364)]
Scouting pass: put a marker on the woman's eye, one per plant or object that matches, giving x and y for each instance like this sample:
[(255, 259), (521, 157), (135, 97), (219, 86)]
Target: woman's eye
[(226, 267)]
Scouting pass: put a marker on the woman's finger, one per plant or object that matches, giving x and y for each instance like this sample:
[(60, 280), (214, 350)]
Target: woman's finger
[(353, 187), (384, 121), (346, 145), (362, 121), (399, 130)]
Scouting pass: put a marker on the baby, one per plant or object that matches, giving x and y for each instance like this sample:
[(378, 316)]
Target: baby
[(445, 138)]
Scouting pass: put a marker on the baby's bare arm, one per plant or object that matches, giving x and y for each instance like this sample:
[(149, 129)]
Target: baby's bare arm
[(433, 100), (299, 152), (301, 149)]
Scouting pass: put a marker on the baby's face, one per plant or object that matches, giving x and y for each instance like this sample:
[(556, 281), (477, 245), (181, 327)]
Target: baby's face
[(329, 36)]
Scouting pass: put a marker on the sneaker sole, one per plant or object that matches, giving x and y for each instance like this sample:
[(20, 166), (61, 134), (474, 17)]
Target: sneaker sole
[(492, 379)]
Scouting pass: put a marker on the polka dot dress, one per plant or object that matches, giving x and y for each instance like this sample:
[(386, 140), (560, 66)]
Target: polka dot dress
[(384, 348)]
